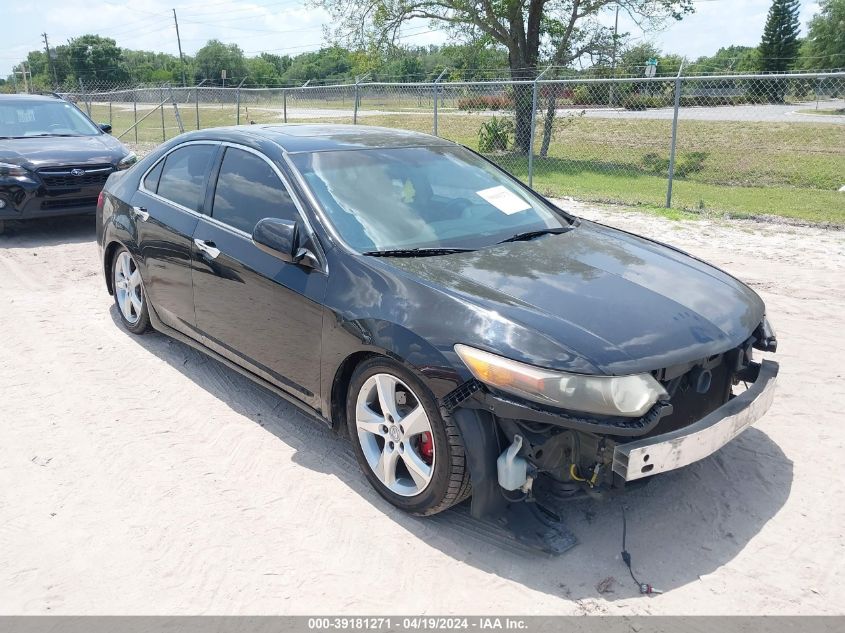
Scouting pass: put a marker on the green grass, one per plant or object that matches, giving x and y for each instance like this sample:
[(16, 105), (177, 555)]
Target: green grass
[(826, 111), (739, 168)]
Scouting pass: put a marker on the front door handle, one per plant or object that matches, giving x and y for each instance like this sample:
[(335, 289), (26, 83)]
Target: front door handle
[(207, 247), (140, 213)]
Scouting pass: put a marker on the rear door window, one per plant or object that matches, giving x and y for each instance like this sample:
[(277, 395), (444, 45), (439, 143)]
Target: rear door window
[(249, 190), (184, 175)]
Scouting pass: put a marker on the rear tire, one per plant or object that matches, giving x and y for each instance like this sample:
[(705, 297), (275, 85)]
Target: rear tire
[(129, 295), (410, 454)]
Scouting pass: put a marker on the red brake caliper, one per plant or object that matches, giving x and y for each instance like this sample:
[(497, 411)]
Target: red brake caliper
[(427, 447)]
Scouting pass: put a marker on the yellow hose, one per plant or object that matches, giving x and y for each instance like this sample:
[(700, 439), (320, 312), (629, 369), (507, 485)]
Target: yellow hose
[(573, 474)]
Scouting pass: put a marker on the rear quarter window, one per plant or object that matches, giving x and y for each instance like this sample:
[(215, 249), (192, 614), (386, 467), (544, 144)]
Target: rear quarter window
[(151, 181)]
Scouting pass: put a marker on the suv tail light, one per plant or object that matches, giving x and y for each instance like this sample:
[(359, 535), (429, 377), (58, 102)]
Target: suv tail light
[(100, 199)]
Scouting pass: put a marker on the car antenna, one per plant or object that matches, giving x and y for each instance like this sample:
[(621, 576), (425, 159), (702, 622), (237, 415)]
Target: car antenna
[(644, 587)]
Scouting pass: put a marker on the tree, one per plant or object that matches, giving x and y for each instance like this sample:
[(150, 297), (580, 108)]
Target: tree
[(215, 57), (825, 44), (779, 46), (262, 72), (93, 58), (328, 64), (561, 31), (633, 60), (731, 59)]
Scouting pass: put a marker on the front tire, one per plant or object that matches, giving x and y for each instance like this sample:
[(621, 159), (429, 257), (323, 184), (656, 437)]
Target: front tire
[(129, 295), (410, 454)]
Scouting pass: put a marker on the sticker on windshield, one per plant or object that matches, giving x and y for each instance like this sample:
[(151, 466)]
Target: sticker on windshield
[(504, 200)]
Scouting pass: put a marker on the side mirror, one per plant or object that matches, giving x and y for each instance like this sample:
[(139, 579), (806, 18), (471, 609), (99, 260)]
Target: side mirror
[(106, 127), (283, 239)]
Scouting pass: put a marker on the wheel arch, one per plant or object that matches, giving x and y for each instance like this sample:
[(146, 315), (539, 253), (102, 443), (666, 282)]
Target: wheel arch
[(108, 260), (398, 344), (340, 386)]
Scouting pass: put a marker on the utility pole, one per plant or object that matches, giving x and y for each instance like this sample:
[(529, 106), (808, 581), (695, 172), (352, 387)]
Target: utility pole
[(50, 62), (613, 59), (179, 42), (25, 82)]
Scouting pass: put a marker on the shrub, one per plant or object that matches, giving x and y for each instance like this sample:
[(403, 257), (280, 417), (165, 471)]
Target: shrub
[(486, 102), (685, 164), (495, 135)]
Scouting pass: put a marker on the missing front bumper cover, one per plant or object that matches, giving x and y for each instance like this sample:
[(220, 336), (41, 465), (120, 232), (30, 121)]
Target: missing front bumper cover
[(661, 453)]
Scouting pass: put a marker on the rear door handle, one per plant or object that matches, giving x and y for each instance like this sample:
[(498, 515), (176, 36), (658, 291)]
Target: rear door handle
[(207, 247), (140, 213)]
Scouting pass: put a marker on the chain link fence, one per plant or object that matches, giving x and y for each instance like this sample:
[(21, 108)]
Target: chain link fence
[(744, 144)]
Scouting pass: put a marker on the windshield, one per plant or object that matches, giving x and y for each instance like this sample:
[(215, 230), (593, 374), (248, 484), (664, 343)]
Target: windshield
[(421, 197), (43, 118)]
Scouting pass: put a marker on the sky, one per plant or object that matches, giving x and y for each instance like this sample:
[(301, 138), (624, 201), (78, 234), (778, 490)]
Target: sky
[(291, 27)]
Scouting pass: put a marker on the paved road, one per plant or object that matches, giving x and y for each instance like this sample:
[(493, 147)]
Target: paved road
[(752, 113), (793, 113), (749, 113)]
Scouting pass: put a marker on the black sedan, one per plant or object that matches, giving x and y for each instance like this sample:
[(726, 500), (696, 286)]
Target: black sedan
[(54, 160), (470, 337)]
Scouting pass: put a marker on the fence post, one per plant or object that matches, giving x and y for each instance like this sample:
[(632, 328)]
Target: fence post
[(176, 111), (135, 112), (285, 103), (437, 98), (358, 80), (674, 137), (238, 101), (533, 127), (355, 105), (197, 101), (109, 111), (161, 98), (84, 97)]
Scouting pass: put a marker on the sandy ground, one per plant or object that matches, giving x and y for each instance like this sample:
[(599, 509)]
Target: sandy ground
[(138, 476)]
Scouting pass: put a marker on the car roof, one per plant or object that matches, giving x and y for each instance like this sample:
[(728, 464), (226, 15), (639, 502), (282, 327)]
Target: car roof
[(293, 138), (28, 97)]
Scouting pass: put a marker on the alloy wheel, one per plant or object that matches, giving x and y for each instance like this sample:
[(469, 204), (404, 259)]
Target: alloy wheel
[(395, 435), (127, 288)]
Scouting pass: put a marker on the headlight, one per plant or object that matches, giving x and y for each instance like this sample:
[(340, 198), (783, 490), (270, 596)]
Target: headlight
[(10, 169), (127, 161), (627, 396)]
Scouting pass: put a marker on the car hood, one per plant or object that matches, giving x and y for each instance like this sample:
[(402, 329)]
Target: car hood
[(619, 302), (43, 151)]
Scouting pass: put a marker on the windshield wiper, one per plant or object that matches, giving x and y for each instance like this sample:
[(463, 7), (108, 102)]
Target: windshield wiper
[(416, 252), (530, 235)]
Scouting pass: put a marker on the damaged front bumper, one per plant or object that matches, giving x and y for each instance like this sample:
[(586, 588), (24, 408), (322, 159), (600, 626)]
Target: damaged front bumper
[(518, 452), (668, 451)]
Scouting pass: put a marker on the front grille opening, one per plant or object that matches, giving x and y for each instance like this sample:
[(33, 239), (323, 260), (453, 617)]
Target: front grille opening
[(690, 400), (58, 178)]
